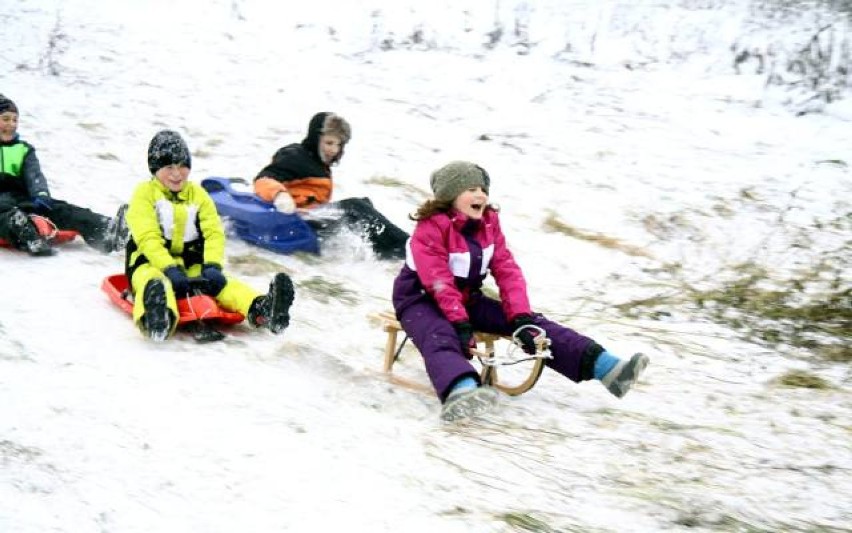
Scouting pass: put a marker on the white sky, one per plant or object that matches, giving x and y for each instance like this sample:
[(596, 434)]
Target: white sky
[(103, 431)]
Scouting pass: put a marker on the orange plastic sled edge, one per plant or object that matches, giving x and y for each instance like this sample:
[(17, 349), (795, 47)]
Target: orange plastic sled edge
[(47, 229), (192, 309)]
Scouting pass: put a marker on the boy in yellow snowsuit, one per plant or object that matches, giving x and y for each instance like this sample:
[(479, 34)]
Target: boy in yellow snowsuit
[(176, 234)]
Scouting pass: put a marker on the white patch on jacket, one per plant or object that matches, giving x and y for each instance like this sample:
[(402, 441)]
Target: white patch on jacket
[(487, 254), (459, 262), (166, 218)]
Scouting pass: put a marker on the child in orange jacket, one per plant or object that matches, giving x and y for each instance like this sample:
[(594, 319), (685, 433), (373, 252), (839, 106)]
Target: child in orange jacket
[(299, 178)]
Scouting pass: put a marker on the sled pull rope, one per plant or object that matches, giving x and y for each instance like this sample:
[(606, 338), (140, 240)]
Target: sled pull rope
[(195, 292), (542, 345), (196, 285), (203, 332)]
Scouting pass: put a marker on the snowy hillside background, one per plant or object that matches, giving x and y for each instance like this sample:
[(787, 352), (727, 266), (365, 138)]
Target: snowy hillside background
[(657, 200)]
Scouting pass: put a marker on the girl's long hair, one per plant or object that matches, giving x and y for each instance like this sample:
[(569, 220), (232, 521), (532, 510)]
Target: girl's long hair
[(429, 208), (432, 206)]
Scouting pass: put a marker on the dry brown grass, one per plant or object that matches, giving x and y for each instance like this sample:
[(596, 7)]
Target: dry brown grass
[(416, 194), (803, 380), (253, 265), (325, 291), (553, 224)]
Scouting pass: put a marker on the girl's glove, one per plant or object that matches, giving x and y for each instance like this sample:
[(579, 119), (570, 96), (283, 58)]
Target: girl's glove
[(465, 332), (525, 335)]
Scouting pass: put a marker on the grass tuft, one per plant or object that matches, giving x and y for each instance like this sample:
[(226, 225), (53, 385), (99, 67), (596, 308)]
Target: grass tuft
[(525, 522), (802, 380), (254, 265), (324, 290), (409, 191), (553, 224)]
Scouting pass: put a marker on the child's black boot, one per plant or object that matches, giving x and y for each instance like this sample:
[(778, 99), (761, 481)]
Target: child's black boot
[(272, 310), (27, 236), (157, 320), (116, 233)]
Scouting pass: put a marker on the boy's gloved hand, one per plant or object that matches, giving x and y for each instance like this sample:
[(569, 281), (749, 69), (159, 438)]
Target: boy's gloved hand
[(526, 336), (43, 202), (284, 203), (180, 283), (465, 332), (216, 281)]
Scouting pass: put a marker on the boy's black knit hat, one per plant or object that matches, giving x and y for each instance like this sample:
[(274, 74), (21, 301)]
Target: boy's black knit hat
[(456, 177), (167, 148), (7, 105)]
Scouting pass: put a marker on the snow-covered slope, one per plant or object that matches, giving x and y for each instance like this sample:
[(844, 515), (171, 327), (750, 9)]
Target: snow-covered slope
[(101, 430)]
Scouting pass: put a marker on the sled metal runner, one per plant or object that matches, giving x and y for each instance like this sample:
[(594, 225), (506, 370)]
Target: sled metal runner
[(486, 356)]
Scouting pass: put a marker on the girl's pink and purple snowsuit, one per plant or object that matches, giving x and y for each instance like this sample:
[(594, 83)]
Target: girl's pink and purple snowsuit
[(448, 257)]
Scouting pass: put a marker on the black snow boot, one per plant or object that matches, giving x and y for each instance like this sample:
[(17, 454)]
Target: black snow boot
[(116, 233), (157, 320), (27, 236), (272, 310)]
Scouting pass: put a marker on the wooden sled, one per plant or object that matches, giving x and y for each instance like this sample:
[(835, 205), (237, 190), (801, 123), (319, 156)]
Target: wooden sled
[(488, 374)]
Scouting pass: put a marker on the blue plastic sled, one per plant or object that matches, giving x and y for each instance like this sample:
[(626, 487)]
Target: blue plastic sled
[(257, 222)]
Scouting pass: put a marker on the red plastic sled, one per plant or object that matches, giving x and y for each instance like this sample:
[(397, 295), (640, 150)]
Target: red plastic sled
[(48, 230), (192, 309)]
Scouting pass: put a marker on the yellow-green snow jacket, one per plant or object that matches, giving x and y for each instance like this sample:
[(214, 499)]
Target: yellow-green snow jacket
[(169, 228)]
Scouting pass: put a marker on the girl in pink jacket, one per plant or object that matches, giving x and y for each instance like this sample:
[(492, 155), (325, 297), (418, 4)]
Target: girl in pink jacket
[(438, 299)]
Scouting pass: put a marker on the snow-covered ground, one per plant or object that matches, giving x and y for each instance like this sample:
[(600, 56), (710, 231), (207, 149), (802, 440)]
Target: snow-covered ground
[(687, 164)]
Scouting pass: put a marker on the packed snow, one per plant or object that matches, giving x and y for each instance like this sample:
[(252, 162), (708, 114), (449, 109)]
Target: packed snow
[(678, 160)]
